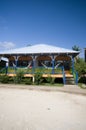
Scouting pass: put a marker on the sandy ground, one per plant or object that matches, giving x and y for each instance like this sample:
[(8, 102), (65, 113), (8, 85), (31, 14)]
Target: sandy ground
[(23, 109)]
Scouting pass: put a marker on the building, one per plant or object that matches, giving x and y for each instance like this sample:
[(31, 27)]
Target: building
[(42, 55)]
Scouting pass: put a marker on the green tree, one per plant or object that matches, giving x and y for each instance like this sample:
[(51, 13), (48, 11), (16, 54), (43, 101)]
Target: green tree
[(80, 67), (76, 48)]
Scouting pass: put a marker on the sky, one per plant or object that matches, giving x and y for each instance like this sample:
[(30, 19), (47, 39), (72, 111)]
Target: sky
[(61, 23)]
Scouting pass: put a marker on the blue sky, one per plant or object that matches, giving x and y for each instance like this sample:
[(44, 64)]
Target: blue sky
[(56, 22)]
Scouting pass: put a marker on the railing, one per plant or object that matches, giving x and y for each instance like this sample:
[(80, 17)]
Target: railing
[(42, 70), (26, 70), (75, 75)]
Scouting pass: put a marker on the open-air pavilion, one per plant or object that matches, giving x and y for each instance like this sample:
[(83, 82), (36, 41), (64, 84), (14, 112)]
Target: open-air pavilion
[(50, 59)]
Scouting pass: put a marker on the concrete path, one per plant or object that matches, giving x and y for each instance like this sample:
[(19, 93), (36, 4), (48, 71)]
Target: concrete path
[(74, 89), (33, 109)]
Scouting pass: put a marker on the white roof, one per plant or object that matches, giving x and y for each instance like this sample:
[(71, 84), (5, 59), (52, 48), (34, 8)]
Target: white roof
[(39, 48)]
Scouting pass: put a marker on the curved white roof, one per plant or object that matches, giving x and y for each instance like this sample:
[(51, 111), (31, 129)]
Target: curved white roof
[(39, 48)]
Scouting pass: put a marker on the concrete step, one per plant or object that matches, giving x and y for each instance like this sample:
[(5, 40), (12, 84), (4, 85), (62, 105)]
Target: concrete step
[(70, 80)]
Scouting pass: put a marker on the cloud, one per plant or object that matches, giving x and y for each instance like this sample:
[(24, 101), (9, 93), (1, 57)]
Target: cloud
[(7, 45)]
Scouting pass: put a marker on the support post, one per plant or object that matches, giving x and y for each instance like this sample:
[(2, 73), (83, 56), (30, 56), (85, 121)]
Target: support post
[(53, 64), (16, 60), (72, 64), (33, 78), (7, 67), (33, 68)]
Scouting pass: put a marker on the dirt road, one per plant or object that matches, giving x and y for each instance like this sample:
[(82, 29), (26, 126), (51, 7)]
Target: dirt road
[(22, 109)]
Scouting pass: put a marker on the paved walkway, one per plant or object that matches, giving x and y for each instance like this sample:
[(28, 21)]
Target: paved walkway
[(35, 109), (74, 89)]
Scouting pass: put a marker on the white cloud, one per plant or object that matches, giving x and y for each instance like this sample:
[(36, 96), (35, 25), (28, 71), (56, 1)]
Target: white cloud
[(7, 45)]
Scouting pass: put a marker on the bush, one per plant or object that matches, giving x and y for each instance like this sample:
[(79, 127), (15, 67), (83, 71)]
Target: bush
[(80, 67), (38, 78), (82, 80), (27, 81), (19, 76), (4, 79), (50, 79)]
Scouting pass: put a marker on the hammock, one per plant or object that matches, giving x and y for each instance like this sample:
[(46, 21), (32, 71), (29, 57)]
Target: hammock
[(57, 65), (45, 66), (28, 66), (14, 65)]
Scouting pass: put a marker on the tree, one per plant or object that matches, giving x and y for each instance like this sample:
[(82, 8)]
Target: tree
[(76, 48), (80, 67)]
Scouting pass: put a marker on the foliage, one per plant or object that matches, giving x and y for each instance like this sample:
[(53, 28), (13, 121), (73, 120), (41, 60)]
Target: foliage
[(81, 85), (38, 78), (80, 67), (19, 76), (82, 80), (4, 79), (3, 70), (76, 48), (27, 81), (50, 79)]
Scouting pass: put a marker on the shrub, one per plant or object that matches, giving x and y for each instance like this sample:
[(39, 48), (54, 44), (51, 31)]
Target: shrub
[(80, 67), (4, 79), (82, 80), (38, 78), (27, 81), (50, 79), (19, 76)]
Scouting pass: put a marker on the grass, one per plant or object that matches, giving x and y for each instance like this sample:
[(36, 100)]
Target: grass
[(36, 70), (53, 85), (81, 85)]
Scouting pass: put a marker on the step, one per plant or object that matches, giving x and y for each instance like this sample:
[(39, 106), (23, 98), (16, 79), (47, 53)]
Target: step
[(70, 81)]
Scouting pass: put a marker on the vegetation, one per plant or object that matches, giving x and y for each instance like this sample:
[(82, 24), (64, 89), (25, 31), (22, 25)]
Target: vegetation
[(81, 85), (76, 48), (30, 70), (27, 81), (80, 67), (19, 76), (38, 78), (50, 80), (4, 79)]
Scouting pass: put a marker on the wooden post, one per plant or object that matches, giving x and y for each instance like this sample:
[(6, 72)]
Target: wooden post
[(33, 79)]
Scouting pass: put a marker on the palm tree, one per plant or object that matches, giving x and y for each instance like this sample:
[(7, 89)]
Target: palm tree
[(76, 48)]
